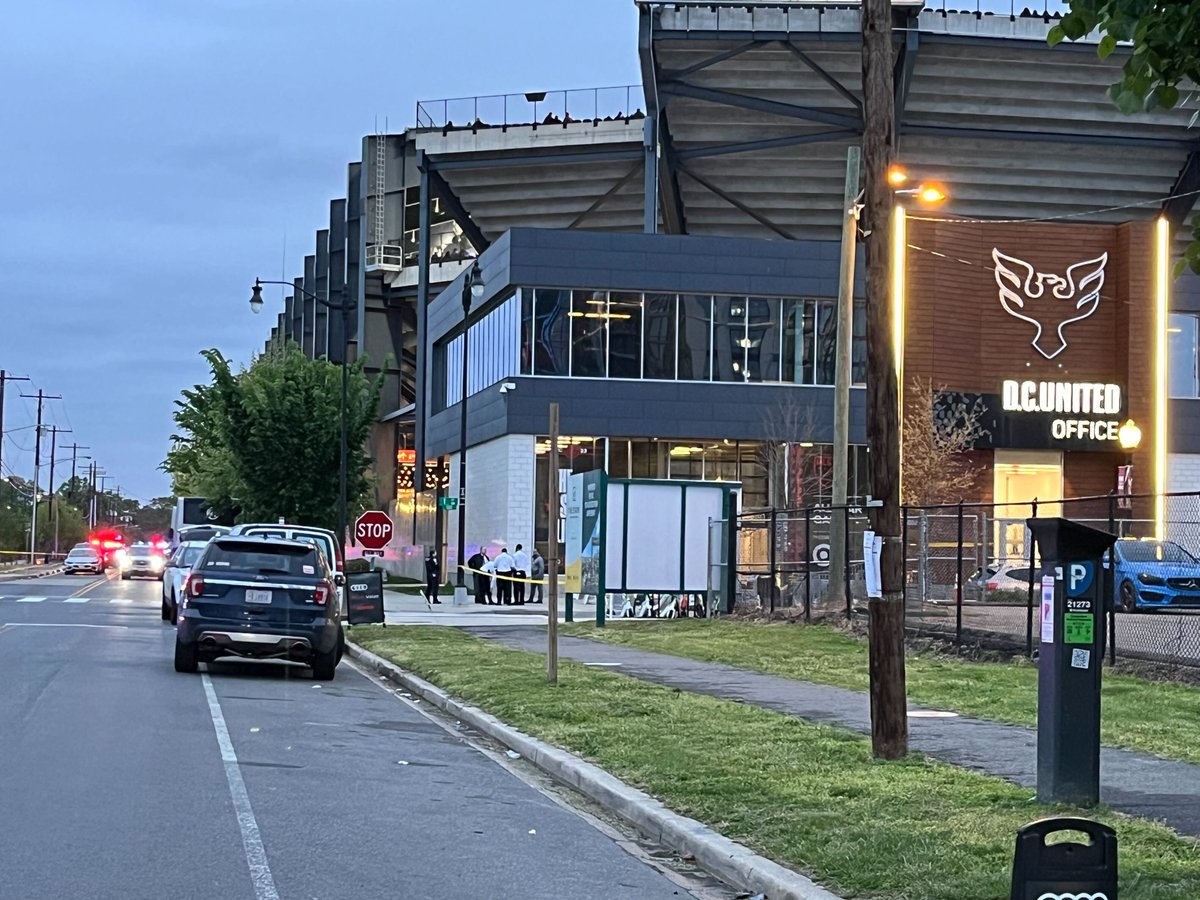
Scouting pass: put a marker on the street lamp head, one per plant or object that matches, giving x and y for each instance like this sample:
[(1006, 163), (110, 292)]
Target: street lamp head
[(1129, 435), (931, 194), (896, 176), (476, 281), (256, 300)]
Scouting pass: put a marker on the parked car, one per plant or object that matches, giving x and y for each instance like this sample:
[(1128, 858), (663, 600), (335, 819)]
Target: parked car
[(1002, 576), (325, 539), (177, 568), (141, 561), (1155, 575), (83, 558), (260, 598)]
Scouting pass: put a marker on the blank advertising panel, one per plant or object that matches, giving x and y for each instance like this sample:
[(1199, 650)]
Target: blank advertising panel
[(703, 503), (614, 551), (654, 537)]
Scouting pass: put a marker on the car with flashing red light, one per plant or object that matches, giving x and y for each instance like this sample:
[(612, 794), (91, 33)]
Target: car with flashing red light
[(110, 544), (141, 561), (260, 598)]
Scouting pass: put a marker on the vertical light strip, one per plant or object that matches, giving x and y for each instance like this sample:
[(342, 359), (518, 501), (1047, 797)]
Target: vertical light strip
[(1162, 254), (899, 273)]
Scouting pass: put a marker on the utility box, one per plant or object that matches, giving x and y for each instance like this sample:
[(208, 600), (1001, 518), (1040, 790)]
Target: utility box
[(1070, 656), (1065, 869)]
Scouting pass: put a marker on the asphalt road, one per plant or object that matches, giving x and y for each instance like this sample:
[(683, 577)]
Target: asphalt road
[(124, 779)]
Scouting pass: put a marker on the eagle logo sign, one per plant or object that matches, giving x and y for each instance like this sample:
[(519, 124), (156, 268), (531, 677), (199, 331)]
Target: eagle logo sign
[(1047, 301)]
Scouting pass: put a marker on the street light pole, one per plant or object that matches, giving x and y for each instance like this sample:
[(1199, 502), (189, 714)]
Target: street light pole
[(472, 289), (344, 307)]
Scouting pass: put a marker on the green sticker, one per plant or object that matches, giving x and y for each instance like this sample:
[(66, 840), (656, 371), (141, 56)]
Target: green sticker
[(1078, 628)]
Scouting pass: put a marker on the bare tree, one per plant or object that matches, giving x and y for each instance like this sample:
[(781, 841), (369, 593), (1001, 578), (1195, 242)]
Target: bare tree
[(787, 425), (940, 429)]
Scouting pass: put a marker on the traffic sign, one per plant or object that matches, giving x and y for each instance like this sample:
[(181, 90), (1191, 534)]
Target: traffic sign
[(373, 529), (448, 502)]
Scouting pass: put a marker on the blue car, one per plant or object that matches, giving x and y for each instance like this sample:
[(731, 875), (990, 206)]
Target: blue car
[(1155, 575)]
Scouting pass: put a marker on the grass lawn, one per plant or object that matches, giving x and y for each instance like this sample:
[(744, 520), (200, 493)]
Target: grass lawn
[(1155, 717), (806, 795)]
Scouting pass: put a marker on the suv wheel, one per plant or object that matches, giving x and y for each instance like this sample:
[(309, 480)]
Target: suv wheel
[(187, 656), (324, 665)]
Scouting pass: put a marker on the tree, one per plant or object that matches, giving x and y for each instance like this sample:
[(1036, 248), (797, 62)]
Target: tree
[(267, 439), (1165, 40), (940, 429)]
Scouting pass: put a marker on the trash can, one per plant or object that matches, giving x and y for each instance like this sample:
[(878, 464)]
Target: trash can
[(1066, 870)]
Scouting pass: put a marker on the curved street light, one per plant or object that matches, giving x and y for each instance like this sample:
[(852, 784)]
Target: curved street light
[(344, 307), (472, 289)]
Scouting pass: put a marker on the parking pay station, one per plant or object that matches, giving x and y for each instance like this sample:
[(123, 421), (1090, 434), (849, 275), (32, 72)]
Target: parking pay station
[(1070, 653)]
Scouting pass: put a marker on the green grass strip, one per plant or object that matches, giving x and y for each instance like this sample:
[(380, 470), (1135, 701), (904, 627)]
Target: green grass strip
[(1151, 716), (806, 795)]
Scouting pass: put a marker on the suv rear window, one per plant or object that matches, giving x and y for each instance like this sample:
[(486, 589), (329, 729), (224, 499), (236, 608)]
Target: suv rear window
[(307, 537), (264, 558)]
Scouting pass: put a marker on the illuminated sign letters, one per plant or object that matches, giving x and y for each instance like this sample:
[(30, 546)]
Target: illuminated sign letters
[(1077, 410)]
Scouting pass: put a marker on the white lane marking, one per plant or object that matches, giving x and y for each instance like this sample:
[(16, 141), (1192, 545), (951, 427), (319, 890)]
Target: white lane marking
[(77, 600), (124, 601), (256, 855), (31, 599), (60, 625)]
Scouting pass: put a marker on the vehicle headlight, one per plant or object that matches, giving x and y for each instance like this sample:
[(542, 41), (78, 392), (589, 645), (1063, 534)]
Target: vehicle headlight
[(156, 563), (1147, 578)]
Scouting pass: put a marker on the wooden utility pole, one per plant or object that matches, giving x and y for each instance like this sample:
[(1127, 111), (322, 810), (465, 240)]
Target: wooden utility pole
[(4, 379), (552, 552), (889, 712)]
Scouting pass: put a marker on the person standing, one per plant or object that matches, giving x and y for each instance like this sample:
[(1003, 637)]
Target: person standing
[(520, 572), (475, 566), (504, 574), (433, 576), (489, 571), (537, 571)]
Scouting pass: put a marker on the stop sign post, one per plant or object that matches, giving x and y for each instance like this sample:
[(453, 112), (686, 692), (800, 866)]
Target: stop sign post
[(373, 529)]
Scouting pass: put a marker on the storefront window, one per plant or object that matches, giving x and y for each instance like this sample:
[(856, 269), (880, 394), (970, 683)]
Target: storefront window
[(589, 334), (660, 337), (624, 335), (1182, 333), (551, 324)]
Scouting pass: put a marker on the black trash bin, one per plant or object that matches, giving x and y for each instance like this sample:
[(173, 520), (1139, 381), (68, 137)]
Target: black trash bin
[(1068, 870)]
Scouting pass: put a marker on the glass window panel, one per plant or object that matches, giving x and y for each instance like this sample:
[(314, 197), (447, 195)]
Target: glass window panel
[(618, 458), (858, 355), (551, 332), (694, 335), (762, 337), (826, 352), (1182, 355), (589, 334), (624, 335), (660, 336), (526, 326), (729, 339), (686, 461), (794, 357)]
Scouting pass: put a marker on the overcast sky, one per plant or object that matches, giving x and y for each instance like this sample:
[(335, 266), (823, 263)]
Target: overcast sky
[(156, 153)]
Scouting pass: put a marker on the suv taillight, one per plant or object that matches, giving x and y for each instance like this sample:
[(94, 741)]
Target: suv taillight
[(195, 586), (321, 594)]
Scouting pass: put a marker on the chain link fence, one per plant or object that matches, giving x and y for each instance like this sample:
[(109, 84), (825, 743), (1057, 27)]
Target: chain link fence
[(971, 570)]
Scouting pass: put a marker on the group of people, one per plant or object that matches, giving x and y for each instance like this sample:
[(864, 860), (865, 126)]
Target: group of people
[(511, 573)]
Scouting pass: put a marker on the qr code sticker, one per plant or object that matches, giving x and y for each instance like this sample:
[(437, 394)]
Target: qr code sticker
[(1080, 659)]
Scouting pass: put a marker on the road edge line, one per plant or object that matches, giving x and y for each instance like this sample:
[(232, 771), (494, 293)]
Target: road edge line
[(252, 844), (734, 863)]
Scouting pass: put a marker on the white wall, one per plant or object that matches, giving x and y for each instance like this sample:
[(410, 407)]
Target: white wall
[(1183, 513), (500, 497)]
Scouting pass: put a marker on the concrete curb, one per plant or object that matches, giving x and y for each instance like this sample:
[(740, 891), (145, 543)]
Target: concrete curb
[(731, 862), (21, 576)]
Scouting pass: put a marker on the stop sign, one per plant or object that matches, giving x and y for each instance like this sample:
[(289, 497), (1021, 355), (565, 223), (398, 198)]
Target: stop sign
[(373, 529)]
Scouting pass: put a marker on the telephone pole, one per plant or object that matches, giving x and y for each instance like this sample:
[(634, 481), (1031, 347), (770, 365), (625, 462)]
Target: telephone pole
[(42, 397), (75, 448), (54, 432), (5, 378), (889, 710)]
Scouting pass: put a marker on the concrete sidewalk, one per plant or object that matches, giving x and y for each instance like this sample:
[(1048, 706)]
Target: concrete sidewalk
[(1135, 783)]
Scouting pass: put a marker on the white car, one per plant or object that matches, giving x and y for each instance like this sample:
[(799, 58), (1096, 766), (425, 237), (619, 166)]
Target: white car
[(175, 574)]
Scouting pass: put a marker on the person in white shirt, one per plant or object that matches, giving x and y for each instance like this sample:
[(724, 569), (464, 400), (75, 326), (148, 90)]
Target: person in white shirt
[(504, 573), (520, 571)]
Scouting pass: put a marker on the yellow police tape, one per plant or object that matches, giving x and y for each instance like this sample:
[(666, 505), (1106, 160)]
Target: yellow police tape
[(500, 577)]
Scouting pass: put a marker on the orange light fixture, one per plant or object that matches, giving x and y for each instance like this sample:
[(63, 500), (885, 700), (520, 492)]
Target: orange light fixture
[(896, 176), (931, 194)]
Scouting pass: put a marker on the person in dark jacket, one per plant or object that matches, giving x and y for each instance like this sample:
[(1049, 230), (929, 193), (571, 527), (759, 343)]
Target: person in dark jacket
[(433, 576), (483, 586)]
